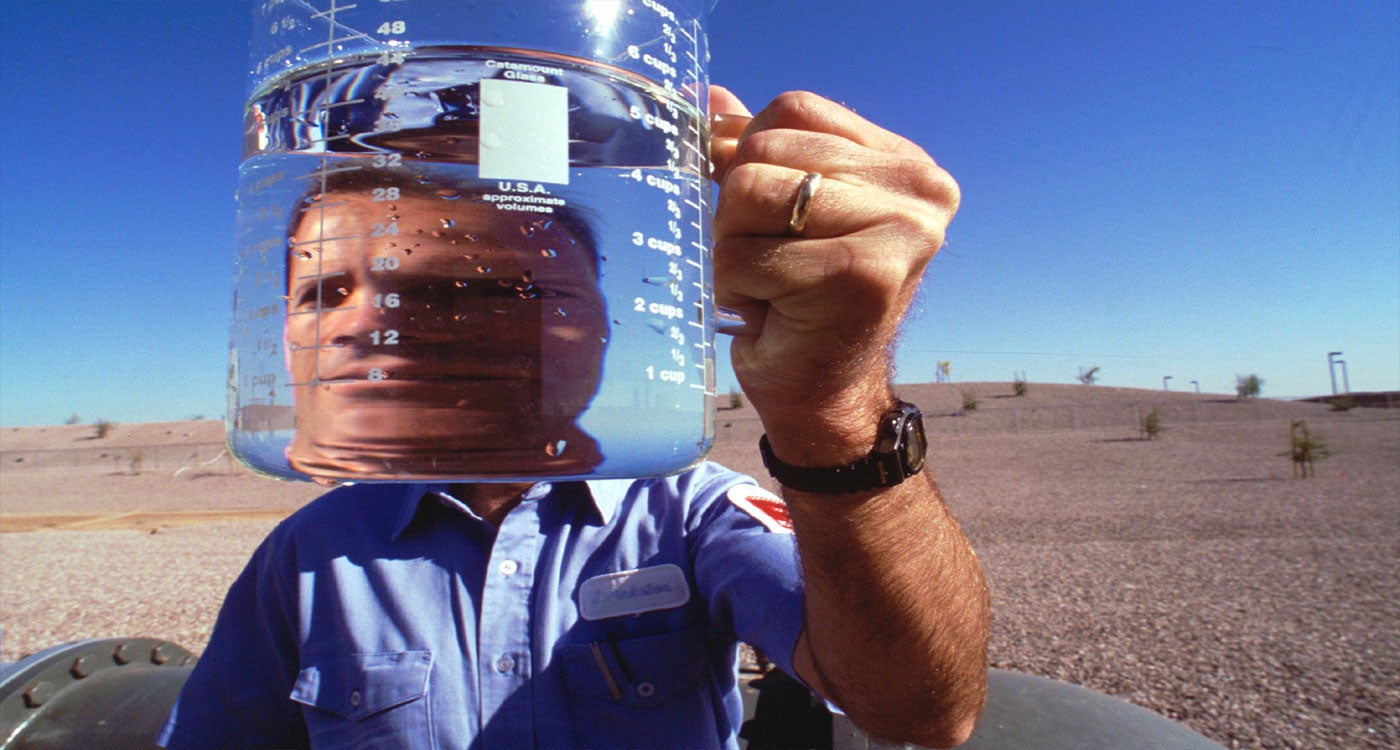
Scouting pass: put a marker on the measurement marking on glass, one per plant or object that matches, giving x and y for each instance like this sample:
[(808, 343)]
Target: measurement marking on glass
[(333, 9), (337, 40), (317, 311), (317, 346), (318, 241), (318, 381), (321, 207), (326, 172), (323, 107)]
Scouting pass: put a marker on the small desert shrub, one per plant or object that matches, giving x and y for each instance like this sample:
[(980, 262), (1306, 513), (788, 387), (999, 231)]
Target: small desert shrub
[(1305, 448), (1248, 386), (1019, 385), (969, 400), (1150, 426), (736, 400), (103, 428), (1343, 403)]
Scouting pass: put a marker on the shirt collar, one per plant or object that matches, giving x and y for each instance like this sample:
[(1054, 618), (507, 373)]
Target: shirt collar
[(603, 497)]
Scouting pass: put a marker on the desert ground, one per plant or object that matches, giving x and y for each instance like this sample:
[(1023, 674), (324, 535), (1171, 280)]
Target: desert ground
[(1191, 573)]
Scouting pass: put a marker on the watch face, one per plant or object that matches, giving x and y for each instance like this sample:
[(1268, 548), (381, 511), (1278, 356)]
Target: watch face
[(914, 444)]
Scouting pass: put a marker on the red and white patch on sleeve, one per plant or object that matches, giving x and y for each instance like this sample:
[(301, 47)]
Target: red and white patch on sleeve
[(766, 508)]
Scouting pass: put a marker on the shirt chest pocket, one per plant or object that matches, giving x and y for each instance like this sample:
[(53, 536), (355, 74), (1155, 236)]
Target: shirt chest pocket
[(365, 700), (636, 672)]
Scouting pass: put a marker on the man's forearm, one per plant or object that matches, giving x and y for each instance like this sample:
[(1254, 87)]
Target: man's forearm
[(896, 604)]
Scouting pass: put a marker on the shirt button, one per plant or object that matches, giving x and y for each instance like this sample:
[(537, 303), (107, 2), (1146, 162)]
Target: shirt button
[(505, 664), (646, 689), (508, 567), (355, 698)]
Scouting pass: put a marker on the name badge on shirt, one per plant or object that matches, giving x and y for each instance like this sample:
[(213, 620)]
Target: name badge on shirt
[(632, 592)]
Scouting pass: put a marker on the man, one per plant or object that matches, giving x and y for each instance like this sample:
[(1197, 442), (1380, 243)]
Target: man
[(607, 614), (456, 344)]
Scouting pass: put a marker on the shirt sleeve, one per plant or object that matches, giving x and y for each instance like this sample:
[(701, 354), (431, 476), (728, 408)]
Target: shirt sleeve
[(237, 693), (747, 570)]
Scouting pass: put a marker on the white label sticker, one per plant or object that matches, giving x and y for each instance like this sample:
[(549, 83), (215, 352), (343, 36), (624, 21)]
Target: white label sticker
[(633, 592), (524, 131)]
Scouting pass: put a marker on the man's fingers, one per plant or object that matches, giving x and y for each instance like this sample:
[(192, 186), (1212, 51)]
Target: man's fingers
[(728, 119), (801, 110), (758, 199)]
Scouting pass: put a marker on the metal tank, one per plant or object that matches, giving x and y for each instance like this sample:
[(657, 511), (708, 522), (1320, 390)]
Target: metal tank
[(99, 693), (115, 693)]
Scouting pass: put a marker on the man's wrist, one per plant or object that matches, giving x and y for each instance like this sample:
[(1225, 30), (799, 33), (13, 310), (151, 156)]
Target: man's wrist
[(826, 432), (898, 454)]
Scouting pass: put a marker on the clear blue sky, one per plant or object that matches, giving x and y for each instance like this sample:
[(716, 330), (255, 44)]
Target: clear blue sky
[(1187, 188)]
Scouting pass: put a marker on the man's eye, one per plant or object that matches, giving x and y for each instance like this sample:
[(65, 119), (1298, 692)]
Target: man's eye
[(304, 298), (321, 297)]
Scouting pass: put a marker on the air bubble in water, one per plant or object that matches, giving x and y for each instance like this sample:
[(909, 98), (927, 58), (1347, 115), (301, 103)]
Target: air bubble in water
[(555, 448)]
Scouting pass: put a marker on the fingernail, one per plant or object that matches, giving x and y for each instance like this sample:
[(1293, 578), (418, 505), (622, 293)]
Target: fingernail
[(727, 125)]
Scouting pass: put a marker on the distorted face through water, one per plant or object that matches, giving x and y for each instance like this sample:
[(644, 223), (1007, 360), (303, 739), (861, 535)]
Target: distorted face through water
[(436, 335)]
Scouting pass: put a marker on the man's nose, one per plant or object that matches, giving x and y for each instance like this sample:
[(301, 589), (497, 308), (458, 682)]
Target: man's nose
[(365, 319)]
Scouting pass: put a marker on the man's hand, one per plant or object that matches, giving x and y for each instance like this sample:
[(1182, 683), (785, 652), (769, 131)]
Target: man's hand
[(821, 308), (895, 603)]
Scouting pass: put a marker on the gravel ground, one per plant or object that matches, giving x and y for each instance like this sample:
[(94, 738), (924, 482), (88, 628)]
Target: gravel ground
[(1190, 574), (1193, 576)]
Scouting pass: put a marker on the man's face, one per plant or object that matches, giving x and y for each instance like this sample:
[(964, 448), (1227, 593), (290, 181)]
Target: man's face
[(430, 327)]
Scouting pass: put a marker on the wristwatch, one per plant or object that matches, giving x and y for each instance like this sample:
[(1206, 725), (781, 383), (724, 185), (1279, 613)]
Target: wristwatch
[(900, 447)]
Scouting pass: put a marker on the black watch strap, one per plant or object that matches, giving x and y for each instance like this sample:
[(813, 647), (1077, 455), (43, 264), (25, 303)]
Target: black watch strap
[(898, 454)]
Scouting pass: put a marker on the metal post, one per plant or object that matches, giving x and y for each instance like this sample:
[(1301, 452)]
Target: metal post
[(1332, 369), (1165, 378)]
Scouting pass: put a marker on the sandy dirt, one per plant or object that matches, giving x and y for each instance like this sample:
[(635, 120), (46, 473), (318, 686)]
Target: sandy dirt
[(1191, 574)]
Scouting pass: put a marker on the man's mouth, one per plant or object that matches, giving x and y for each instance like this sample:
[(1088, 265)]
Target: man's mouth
[(461, 367)]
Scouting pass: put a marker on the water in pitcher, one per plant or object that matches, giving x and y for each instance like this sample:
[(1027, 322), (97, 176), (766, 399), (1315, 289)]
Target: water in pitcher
[(421, 306)]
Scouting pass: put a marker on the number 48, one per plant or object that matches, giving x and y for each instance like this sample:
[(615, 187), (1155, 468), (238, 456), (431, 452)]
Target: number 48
[(391, 27)]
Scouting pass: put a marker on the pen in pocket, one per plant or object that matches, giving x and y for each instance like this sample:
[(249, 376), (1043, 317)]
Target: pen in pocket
[(607, 673)]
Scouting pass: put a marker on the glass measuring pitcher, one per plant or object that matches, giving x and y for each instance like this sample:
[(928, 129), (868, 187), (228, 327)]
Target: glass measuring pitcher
[(473, 241)]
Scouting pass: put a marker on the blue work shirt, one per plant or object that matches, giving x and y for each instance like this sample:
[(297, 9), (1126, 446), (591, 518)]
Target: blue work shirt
[(601, 614)]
